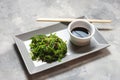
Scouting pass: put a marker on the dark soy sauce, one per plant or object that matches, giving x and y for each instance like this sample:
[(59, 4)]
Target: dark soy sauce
[(80, 32)]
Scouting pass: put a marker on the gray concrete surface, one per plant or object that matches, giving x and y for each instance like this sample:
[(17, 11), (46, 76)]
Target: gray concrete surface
[(18, 16)]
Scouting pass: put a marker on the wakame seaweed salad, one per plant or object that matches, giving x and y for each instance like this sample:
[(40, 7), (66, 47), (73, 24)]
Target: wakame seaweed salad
[(47, 48)]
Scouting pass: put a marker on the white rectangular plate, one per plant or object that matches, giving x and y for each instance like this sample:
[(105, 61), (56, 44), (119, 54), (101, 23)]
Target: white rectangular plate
[(73, 52)]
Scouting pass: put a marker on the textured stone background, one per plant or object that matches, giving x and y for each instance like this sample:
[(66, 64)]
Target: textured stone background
[(18, 16)]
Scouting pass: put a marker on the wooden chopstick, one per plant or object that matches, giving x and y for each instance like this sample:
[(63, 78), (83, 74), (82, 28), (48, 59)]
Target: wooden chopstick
[(70, 19)]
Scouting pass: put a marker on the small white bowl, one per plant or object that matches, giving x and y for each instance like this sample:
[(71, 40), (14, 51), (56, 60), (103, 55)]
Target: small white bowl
[(81, 41)]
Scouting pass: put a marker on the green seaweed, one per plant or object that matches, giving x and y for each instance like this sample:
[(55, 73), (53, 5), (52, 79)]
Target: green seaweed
[(47, 48)]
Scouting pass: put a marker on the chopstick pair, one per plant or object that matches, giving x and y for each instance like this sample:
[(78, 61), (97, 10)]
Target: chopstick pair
[(70, 19)]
